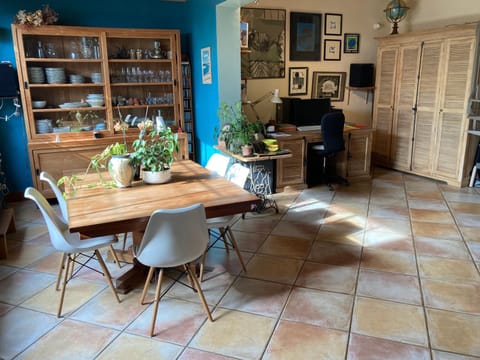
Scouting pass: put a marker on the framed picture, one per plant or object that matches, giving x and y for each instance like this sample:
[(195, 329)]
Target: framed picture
[(244, 35), (333, 24), (351, 43), (206, 65), (266, 43), (332, 49), (328, 84), (297, 80), (305, 34)]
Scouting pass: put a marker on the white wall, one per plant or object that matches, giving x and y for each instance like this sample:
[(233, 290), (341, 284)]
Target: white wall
[(359, 16)]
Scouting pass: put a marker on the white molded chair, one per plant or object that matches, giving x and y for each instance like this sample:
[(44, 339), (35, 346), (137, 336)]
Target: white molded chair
[(173, 237), (70, 243), (44, 176), (218, 164), (238, 175)]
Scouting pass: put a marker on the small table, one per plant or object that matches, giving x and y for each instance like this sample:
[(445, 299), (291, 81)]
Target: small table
[(259, 175)]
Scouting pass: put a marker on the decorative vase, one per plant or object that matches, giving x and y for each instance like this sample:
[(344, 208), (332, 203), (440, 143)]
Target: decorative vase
[(120, 170), (247, 150), (156, 177)]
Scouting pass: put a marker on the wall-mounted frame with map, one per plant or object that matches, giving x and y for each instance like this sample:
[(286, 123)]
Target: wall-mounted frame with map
[(305, 33), (265, 57)]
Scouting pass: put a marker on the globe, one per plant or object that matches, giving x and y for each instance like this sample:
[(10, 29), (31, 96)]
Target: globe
[(395, 12)]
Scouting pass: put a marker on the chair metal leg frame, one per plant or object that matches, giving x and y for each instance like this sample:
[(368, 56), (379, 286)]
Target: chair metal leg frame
[(66, 267), (192, 277)]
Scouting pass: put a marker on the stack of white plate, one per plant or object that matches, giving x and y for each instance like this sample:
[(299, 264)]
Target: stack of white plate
[(95, 100), (97, 77), (55, 75), (36, 75), (43, 126), (69, 105), (76, 79)]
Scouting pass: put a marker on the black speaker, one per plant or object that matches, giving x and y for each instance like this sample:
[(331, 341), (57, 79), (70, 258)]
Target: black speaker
[(361, 75)]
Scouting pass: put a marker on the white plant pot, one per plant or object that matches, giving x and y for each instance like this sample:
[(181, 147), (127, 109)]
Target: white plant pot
[(120, 170), (156, 177)]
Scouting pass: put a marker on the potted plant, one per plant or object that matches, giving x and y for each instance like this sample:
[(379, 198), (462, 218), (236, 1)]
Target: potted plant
[(154, 151), (236, 131)]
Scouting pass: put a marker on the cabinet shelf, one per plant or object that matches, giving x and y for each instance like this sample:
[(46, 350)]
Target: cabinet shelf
[(133, 61), (62, 60), (150, 106), (55, 110), (142, 84), (50, 86)]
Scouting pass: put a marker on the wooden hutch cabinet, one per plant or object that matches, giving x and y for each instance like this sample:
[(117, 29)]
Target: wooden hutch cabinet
[(89, 79), (423, 84)]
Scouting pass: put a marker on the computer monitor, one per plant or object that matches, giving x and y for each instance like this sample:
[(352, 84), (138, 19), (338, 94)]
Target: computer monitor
[(307, 112)]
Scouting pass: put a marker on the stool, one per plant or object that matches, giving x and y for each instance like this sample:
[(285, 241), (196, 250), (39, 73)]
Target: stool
[(7, 226)]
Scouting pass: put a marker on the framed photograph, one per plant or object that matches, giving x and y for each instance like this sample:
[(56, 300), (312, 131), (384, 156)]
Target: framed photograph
[(328, 84), (297, 80), (244, 35), (332, 50), (265, 57), (305, 34), (333, 24), (351, 43), (206, 65)]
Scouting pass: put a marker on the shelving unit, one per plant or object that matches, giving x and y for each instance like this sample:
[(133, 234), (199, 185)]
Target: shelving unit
[(188, 107), (137, 72)]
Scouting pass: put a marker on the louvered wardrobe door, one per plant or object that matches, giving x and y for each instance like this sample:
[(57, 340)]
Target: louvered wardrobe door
[(451, 134)]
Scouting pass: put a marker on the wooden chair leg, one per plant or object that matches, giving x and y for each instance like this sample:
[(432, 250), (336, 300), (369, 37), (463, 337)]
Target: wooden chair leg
[(156, 301), (115, 257), (235, 246), (202, 265), (124, 241), (107, 274), (147, 283), (199, 291), (224, 238), (60, 271), (64, 287)]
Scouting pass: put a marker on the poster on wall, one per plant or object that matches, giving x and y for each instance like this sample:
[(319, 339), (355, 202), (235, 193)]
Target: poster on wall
[(328, 84), (305, 33), (206, 66), (265, 57)]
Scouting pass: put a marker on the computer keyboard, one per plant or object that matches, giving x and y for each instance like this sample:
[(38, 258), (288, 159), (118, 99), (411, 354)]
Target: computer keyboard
[(308, 127)]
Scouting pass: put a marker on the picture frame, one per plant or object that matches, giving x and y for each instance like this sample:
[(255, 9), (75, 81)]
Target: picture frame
[(244, 35), (328, 84), (351, 43), (305, 36), (265, 58), (297, 81), (333, 24), (206, 57), (332, 50)]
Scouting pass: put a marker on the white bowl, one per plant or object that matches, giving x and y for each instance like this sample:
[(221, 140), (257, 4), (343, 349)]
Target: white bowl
[(39, 104), (95, 102)]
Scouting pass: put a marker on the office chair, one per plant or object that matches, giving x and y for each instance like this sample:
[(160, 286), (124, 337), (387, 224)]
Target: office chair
[(332, 125), (70, 244), (172, 238)]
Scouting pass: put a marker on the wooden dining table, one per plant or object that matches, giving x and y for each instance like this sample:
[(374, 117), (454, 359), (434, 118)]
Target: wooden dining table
[(101, 210)]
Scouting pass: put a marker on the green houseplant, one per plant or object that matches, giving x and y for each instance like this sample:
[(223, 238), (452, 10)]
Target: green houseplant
[(236, 131), (154, 150)]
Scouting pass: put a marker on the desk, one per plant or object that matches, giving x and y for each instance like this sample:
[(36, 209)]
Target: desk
[(259, 176), (100, 210)]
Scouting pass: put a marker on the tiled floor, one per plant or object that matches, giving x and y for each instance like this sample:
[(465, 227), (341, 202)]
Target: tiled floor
[(387, 269)]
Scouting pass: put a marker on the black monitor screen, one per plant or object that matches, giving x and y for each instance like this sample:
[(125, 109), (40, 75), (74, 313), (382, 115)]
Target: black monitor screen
[(310, 111)]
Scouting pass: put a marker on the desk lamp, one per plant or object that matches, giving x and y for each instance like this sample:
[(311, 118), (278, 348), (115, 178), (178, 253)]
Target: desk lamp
[(275, 99)]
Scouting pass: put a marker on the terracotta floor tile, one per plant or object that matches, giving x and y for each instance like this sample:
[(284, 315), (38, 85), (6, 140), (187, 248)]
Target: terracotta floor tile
[(388, 240), (452, 296), (433, 216), (397, 212), (194, 354), (22, 285), (262, 225), (470, 233), (371, 348), (26, 254), (128, 346), (390, 320), (468, 208), (436, 231), (4, 308), (346, 232), (296, 230), (454, 332), (286, 246), (424, 195), (438, 205), (265, 267), (389, 261), (447, 269), (328, 277), (321, 308), (248, 241), (474, 248), (389, 286), (468, 220), (462, 196), (256, 296), (441, 248), (335, 254), (71, 339), (302, 341), (441, 355), (235, 334), (6, 271)]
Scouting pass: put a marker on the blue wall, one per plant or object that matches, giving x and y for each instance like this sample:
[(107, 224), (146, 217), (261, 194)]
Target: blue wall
[(196, 21)]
